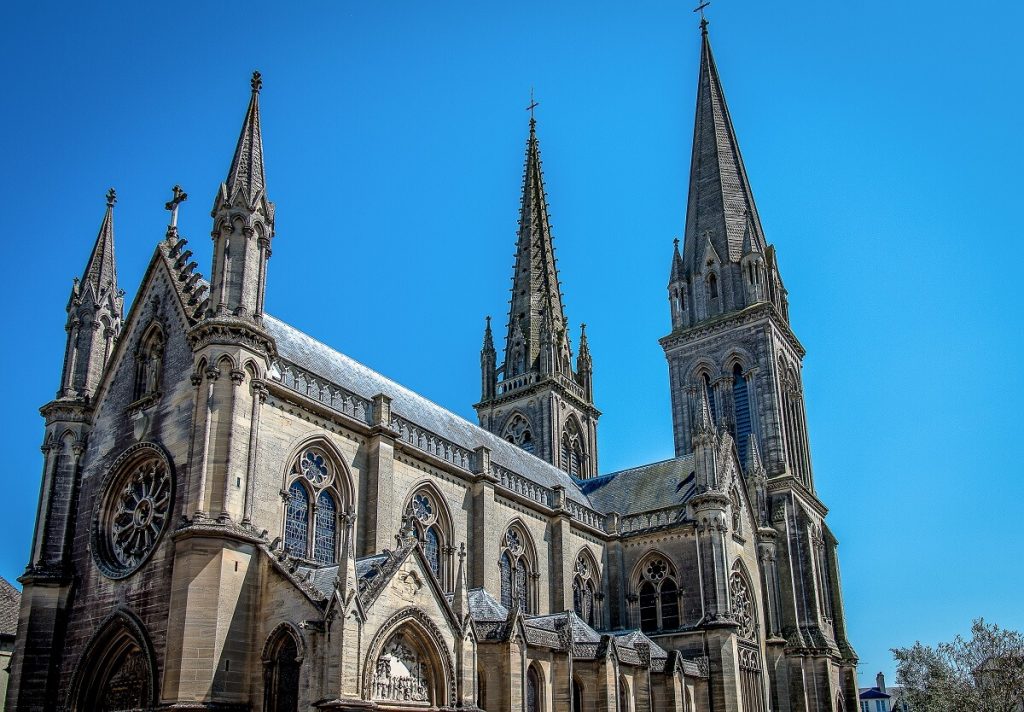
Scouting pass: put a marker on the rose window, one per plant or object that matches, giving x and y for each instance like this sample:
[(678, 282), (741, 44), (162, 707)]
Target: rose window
[(656, 570), (133, 513), (743, 607), (314, 467), (513, 542), (422, 508)]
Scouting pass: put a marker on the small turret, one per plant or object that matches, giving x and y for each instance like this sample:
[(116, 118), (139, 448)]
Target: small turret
[(243, 224)]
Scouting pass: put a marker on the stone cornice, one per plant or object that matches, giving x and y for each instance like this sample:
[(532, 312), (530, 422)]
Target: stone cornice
[(789, 483), (77, 410), (725, 322), (544, 384)]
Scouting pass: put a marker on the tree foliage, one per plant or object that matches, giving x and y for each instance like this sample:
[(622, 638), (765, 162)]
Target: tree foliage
[(985, 672)]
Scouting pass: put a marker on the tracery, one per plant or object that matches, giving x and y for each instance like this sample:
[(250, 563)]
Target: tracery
[(311, 511)]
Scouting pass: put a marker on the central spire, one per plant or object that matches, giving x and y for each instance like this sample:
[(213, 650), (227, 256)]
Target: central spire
[(536, 293), (721, 204)]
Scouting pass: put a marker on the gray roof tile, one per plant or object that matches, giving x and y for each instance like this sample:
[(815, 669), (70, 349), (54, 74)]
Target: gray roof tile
[(308, 353), (10, 605), (641, 489)]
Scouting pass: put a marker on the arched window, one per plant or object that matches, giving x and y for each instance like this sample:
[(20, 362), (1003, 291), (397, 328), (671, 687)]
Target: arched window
[(623, 695), (737, 508), (743, 610), (296, 527), (505, 566), (741, 402), (574, 456), (326, 529), (430, 518), (658, 596), (584, 589), (709, 391), (515, 568), (533, 689), (148, 363), (712, 286), (518, 432), (577, 696), (281, 673), (311, 514)]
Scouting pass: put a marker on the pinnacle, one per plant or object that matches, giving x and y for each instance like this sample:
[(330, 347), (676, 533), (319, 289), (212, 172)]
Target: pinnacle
[(101, 269), (247, 172)]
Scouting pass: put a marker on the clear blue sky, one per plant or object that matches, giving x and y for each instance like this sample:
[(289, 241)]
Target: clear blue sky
[(883, 142)]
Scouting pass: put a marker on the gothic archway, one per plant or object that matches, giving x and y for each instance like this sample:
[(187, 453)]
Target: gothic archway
[(117, 672), (282, 667), (409, 663)]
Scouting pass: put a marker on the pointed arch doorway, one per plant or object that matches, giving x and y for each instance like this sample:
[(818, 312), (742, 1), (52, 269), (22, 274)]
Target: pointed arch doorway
[(410, 669), (117, 672)]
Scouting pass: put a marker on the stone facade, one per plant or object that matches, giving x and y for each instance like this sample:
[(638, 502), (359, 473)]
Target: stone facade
[(234, 516)]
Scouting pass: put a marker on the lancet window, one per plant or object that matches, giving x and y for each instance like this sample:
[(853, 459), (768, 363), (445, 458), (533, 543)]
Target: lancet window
[(516, 570), (149, 363), (311, 509), (709, 392), (658, 596), (430, 521), (584, 589), (741, 404), (574, 455), (518, 432)]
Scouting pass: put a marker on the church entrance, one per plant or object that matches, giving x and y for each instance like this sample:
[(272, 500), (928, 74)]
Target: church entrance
[(408, 673), (117, 673), (281, 668)]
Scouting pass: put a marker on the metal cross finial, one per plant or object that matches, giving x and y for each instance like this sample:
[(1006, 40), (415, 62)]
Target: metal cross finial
[(257, 82), (533, 105), (111, 197), (180, 197), (703, 20)]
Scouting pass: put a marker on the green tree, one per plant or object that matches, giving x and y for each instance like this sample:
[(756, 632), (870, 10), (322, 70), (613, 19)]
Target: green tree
[(984, 673)]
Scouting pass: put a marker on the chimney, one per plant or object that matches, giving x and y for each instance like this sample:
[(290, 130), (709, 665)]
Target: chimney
[(880, 681)]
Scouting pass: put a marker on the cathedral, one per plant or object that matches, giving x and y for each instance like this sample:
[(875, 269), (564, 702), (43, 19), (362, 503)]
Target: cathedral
[(235, 516)]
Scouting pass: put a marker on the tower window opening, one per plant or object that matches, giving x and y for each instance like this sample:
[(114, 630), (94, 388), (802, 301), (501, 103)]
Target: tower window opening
[(713, 286)]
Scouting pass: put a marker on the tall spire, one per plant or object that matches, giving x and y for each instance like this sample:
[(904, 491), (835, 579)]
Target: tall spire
[(721, 203), (101, 270), (536, 293), (247, 174)]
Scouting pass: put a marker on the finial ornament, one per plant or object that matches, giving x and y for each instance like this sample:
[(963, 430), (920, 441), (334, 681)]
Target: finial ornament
[(675, 242), (111, 197), (257, 82), (533, 105), (703, 20)]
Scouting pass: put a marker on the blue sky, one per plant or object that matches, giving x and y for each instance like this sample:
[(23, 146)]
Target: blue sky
[(883, 143)]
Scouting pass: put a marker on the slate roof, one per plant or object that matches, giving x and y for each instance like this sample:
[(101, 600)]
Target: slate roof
[(633, 637), (581, 632), (308, 353), (641, 489), (484, 607), (873, 693), (10, 604), (320, 578)]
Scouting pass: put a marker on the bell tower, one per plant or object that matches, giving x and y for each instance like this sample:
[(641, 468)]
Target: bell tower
[(536, 398)]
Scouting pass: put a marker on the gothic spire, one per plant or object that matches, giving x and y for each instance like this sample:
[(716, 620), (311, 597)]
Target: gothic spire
[(488, 338), (101, 270), (721, 204), (536, 293), (246, 173)]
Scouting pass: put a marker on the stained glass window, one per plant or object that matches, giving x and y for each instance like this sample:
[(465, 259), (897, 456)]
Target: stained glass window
[(588, 604), (296, 527), (521, 590), (432, 550), (577, 597), (314, 466), (422, 507), (711, 398), (326, 529), (505, 564)]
